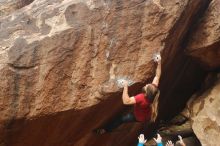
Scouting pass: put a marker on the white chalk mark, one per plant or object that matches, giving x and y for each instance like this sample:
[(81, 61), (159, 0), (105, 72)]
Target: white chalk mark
[(157, 2), (120, 81), (156, 57), (104, 25), (112, 42), (91, 4), (107, 53), (112, 71)]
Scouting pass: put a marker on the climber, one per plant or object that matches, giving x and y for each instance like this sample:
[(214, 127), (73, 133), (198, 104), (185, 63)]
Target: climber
[(145, 103)]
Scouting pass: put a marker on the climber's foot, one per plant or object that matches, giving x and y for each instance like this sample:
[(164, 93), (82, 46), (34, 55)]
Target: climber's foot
[(100, 131)]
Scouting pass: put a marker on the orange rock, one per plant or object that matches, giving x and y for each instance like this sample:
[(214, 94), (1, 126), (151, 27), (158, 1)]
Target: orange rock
[(59, 60), (204, 42)]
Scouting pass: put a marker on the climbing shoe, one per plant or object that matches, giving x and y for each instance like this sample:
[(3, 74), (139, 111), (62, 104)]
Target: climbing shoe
[(99, 131)]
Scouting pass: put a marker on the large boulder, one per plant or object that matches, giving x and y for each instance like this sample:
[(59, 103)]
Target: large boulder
[(204, 43), (203, 110), (61, 60)]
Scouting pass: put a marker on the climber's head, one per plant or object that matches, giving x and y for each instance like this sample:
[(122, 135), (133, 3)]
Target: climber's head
[(150, 91)]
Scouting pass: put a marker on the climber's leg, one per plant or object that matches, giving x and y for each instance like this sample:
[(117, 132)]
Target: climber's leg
[(117, 122)]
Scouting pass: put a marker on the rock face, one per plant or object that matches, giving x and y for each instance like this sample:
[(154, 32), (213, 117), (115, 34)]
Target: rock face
[(204, 113), (203, 108), (8, 6), (60, 62), (204, 42)]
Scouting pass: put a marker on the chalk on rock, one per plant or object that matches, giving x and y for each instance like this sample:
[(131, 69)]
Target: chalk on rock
[(157, 2), (156, 57), (120, 82)]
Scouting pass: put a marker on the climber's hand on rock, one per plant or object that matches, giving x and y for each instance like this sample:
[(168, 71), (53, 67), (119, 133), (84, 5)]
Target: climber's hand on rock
[(169, 143), (158, 58), (125, 83), (159, 139), (141, 139)]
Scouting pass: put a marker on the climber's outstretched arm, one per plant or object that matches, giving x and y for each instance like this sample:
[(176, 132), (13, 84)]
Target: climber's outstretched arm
[(125, 97), (158, 74)]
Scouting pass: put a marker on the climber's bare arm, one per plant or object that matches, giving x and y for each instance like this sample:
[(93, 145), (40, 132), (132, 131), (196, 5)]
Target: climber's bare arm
[(158, 74), (125, 97)]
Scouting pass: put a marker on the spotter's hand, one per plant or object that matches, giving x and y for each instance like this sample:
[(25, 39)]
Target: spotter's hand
[(169, 143), (159, 139), (181, 139), (141, 139)]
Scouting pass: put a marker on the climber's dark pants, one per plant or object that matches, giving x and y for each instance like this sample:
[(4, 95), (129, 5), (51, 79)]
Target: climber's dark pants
[(120, 120)]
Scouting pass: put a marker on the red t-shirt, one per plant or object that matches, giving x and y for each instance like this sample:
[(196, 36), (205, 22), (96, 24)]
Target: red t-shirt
[(142, 110)]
